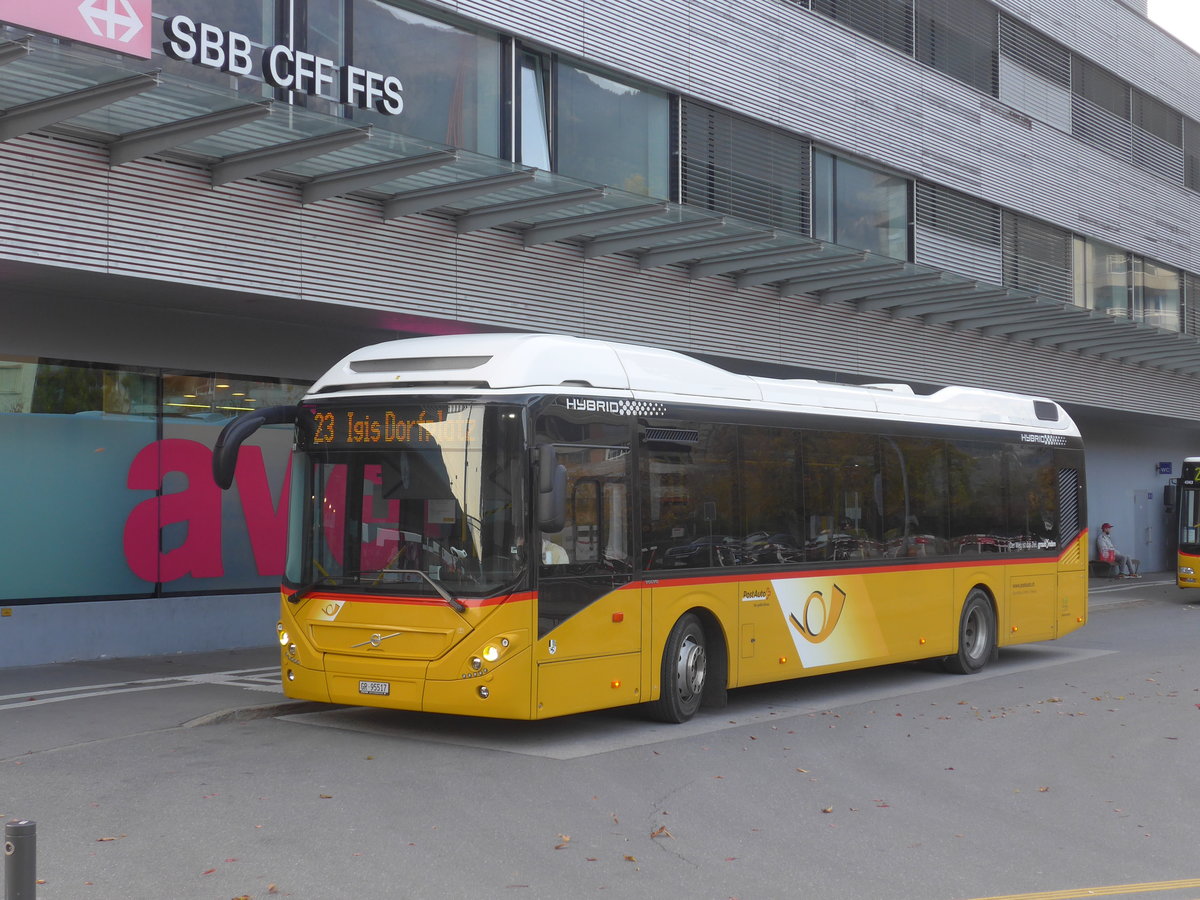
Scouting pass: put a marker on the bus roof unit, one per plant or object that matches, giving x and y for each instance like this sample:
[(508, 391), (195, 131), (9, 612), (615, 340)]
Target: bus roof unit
[(552, 362)]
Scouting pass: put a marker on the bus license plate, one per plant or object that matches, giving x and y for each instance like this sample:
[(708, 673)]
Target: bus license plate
[(374, 687)]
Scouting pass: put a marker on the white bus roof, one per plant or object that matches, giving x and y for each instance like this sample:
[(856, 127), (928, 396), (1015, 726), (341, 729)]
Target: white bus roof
[(543, 363)]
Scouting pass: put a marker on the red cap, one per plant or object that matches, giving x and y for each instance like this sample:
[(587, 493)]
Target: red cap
[(1106, 525)]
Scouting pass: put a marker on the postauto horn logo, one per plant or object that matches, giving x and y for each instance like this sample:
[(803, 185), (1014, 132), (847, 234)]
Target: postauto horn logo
[(819, 617)]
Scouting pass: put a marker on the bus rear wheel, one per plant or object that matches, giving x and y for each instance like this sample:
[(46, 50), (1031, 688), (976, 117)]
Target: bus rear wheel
[(684, 670), (976, 635)]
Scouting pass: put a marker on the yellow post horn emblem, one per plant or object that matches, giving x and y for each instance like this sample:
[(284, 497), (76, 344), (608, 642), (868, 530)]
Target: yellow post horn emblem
[(820, 620)]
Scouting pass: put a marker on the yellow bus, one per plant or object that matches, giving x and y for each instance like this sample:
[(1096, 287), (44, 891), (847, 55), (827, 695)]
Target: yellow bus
[(525, 526), (1187, 500)]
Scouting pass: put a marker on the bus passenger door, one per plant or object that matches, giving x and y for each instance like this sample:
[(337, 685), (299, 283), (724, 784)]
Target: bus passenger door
[(589, 608)]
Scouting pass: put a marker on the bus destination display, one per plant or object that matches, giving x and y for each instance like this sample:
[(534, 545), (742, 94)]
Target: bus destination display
[(366, 426)]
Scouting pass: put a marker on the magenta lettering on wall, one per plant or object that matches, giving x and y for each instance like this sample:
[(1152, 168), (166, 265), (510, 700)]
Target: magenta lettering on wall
[(198, 506)]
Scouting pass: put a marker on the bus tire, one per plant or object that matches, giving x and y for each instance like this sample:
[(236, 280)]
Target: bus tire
[(976, 635), (684, 670)]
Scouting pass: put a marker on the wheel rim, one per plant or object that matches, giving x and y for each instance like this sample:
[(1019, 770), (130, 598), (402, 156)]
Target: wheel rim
[(975, 634), (690, 668)]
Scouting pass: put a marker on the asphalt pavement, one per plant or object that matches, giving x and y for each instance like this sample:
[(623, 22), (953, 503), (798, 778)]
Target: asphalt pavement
[(46, 709)]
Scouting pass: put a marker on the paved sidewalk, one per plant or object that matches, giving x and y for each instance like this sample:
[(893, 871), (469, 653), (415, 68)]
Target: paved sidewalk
[(1105, 592)]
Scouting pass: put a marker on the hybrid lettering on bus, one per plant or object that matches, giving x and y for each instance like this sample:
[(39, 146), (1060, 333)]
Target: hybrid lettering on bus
[(526, 526)]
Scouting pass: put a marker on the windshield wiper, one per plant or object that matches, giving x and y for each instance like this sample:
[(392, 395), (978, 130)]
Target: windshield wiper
[(304, 590), (453, 602)]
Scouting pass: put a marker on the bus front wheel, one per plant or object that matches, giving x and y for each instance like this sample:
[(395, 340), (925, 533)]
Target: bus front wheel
[(976, 635), (684, 670)]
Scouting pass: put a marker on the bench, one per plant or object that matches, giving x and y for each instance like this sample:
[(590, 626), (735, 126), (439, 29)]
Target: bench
[(1098, 568)]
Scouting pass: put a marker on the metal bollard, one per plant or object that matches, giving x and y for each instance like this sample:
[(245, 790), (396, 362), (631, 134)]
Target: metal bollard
[(20, 860)]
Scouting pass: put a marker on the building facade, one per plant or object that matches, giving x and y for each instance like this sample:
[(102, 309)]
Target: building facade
[(208, 202)]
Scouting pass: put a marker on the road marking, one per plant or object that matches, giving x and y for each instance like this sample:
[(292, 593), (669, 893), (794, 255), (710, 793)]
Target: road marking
[(258, 679), (1108, 890)]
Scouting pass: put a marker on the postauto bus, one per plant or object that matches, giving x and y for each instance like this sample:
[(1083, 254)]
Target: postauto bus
[(525, 526)]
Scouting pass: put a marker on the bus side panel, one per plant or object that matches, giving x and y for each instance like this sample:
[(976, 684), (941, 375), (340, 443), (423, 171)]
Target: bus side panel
[(593, 660), (1072, 597), (790, 627)]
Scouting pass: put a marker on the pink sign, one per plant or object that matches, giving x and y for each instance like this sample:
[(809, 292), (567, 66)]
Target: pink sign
[(122, 25)]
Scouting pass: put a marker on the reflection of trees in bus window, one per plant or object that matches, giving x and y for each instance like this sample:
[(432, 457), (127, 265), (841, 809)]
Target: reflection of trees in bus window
[(768, 470), (690, 514), (842, 495), (914, 497), (1003, 496), (1034, 492)]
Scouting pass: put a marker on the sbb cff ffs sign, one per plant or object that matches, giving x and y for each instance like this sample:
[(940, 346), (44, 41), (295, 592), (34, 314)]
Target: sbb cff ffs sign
[(280, 66)]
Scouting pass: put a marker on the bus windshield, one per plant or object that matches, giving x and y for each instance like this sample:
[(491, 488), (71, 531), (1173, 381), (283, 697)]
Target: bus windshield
[(421, 499)]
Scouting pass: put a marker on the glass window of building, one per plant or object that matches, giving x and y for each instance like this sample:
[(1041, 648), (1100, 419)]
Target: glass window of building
[(533, 110), (68, 435), (611, 132), (1157, 294), (451, 75), (1038, 258), (1102, 275), (858, 206), (960, 38), (733, 165), (253, 18), (108, 483), (323, 35), (890, 21)]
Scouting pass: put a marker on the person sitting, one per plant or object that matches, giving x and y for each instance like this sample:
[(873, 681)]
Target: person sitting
[(1106, 551), (554, 554)]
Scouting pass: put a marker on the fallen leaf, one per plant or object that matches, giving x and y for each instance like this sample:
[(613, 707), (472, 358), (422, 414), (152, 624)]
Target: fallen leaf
[(208, 871), (629, 858), (661, 831), (805, 771), (827, 809), (1044, 790), (272, 889), (326, 796)]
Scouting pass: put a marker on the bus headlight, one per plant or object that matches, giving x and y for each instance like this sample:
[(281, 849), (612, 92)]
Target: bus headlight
[(1186, 570), (283, 635)]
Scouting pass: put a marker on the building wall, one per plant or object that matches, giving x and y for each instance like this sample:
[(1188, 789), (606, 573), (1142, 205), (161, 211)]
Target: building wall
[(245, 278)]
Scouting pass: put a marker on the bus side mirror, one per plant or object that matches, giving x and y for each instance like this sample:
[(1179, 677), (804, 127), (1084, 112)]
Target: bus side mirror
[(552, 490), (1169, 496), (225, 451)]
